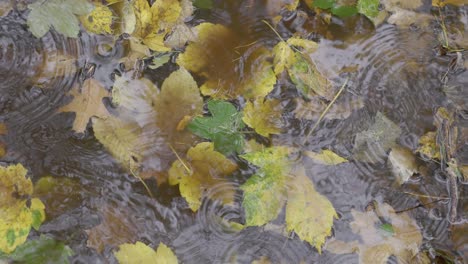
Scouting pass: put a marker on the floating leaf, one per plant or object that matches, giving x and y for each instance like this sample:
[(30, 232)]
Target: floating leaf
[(403, 164), (141, 253), (326, 157), (308, 213), (87, 103), (379, 242), (223, 127), (204, 169), (265, 192), (214, 55), (369, 8), (99, 21), (43, 250), (17, 215), (59, 14), (264, 116)]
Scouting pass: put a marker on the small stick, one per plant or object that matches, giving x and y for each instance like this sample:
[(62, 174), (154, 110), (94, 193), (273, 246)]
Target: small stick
[(453, 189)]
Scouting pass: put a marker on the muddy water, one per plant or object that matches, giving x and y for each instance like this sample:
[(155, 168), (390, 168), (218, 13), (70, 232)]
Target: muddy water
[(394, 71)]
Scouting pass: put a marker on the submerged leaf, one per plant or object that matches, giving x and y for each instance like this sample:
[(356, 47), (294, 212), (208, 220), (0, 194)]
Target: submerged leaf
[(308, 213), (443, 3), (265, 192), (369, 8), (17, 215), (326, 157), (141, 253), (204, 169), (403, 164), (59, 14), (264, 116), (43, 250), (223, 127), (99, 21), (87, 103)]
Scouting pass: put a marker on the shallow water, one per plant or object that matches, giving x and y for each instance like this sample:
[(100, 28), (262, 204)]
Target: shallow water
[(391, 70)]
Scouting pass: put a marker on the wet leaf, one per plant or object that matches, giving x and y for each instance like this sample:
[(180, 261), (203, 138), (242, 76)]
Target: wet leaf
[(379, 242), (44, 250), (160, 60), (443, 3), (86, 103), (214, 56), (99, 21), (223, 127), (59, 14), (141, 253), (405, 18), (264, 116), (372, 144), (403, 164), (5, 7), (265, 191), (326, 157), (17, 215), (3, 131), (204, 169), (369, 8), (204, 4), (308, 213)]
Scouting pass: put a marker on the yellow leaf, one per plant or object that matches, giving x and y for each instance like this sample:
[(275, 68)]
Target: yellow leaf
[(428, 146), (443, 3), (326, 157), (264, 116), (284, 57), (166, 13), (143, 16), (16, 216), (155, 41), (140, 253), (308, 213), (86, 104), (308, 46), (204, 169), (99, 21)]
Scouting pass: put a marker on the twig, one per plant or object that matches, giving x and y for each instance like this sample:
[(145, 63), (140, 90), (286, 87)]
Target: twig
[(142, 182)]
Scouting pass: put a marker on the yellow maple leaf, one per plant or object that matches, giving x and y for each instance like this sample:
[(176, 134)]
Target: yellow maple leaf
[(140, 253), (264, 116), (17, 216), (86, 104), (99, 21), (205, 168), (308, 213)]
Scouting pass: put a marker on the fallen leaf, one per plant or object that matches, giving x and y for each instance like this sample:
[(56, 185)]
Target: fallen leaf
[(141, 253), (87, 103), (41, 251), (372, 144), (405, 18), (59, 14), (265, 191), (17, 214), (160, 60), (369, 8), (223, 127), (392, 4), (264, 116), (99, 21), (403, 164), (442, 3), (326, 157), (5, 7), (3, 131), (308, 213), (379, 242), (214, 56), (204, 169)]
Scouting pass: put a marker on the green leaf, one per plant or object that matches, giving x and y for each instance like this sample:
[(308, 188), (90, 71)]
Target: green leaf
[(324, 4), (59, 14), (265, 192), (42, 250), (204, 4), (344, 11), (160, 60), (223, 127), (369, 8)]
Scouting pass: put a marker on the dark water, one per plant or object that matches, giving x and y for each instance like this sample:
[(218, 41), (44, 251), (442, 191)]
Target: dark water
[(395, 71)]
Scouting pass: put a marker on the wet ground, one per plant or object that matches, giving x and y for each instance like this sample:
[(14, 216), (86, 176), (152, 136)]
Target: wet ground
[(396, 71)]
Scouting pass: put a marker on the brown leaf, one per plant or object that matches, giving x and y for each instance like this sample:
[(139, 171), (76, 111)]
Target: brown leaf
[(86, 104)]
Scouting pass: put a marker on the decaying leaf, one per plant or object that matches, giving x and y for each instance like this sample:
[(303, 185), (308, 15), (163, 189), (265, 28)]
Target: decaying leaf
[(223, 127), (372, 144), (399, 236), (17, 215), (204, 169), (87, 102), (442, 3), (369, 8), (99, 21), (41, 251), (405, 18), (213, 56), (308, 213), (59, 14), (3, 131), (264, 116), (141, 253), (5, 7), (265, 192), (403, 163), (428, 146), (146, 130), (326, 157)]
